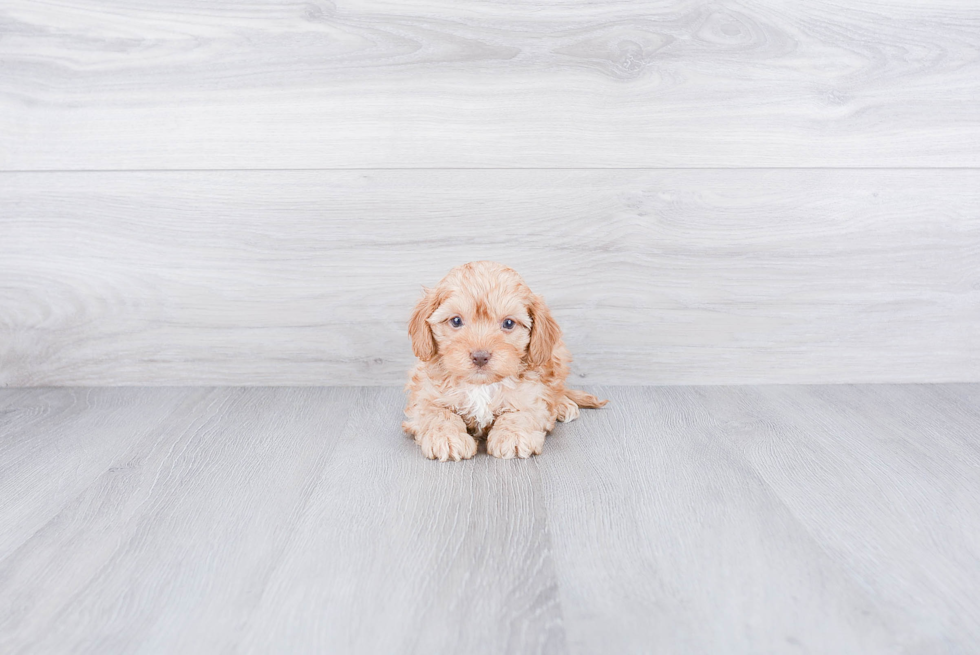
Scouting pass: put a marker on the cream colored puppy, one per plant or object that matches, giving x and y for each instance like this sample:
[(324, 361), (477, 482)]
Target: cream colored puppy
[(491, 364)]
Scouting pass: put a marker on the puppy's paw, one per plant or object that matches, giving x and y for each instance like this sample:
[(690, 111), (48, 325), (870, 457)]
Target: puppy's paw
[(447, 443), (567, 411), (505, 443)]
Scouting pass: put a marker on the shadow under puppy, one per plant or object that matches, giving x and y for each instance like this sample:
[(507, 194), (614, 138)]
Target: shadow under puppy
[(491, 364)]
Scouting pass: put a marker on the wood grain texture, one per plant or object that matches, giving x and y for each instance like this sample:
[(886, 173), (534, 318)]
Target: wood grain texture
[(308, 278), (175, 537), (443, 83), (689, 519), (273, 520), (395, 555), (74, 433), (903, 480), (769, 519)]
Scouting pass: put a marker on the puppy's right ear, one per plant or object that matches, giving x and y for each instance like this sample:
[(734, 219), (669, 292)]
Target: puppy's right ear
[(423, 343)]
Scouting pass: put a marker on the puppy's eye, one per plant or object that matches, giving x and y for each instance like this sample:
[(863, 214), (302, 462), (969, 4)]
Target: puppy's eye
[(509, 324), (456, 322)]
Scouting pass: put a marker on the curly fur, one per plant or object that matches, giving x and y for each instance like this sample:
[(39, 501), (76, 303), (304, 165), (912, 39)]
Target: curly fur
[(515, 398)]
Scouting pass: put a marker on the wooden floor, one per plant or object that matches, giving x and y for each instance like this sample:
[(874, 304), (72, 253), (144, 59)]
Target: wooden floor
[(828, 519)]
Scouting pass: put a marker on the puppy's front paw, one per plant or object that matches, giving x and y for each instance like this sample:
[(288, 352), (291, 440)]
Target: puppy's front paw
[(447, 442), (506, 442)]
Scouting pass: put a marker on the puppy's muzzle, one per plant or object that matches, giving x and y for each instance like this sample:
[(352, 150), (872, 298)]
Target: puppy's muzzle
[(480, 357)]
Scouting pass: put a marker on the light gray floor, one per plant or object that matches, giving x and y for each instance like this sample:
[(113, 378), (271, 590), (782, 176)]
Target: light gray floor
[(828, 519)]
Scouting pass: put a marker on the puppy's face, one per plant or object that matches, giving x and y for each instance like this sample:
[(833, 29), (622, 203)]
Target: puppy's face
[(484, 324)]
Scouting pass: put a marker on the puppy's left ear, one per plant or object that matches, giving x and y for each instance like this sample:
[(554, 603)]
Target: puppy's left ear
[(544, 333)]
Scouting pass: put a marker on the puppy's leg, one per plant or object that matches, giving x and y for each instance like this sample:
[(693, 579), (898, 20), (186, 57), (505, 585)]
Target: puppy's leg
[(519, 434), (442, 435), (567, 410)]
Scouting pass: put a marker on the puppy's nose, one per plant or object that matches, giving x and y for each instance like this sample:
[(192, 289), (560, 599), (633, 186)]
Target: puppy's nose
[(480, 357)]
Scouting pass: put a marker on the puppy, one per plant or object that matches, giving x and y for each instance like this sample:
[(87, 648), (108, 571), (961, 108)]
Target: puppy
[(491, 364)]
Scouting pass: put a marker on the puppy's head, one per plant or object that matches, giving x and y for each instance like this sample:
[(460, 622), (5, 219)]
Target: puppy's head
[(484, 324)]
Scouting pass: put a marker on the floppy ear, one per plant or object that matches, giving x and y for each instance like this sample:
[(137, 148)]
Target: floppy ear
[(544, 333), (423, 343)]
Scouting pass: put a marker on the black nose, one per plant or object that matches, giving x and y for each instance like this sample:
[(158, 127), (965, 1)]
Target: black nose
[(480, 357)]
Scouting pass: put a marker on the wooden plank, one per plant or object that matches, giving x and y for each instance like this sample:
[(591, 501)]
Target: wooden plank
[(55, 443), (174, 540), (283, 520), (677, 519), (399, 554), (897, 464), (765, 519), (308, 277), (439, 83)]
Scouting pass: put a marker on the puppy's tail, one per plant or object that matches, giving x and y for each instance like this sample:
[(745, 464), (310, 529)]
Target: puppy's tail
[(583, 399)]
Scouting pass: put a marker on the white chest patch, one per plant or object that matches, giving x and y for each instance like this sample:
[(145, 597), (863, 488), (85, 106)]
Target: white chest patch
[(480, 399)]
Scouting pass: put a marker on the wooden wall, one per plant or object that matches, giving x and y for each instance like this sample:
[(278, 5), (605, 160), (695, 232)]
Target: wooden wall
[(252, 193)]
